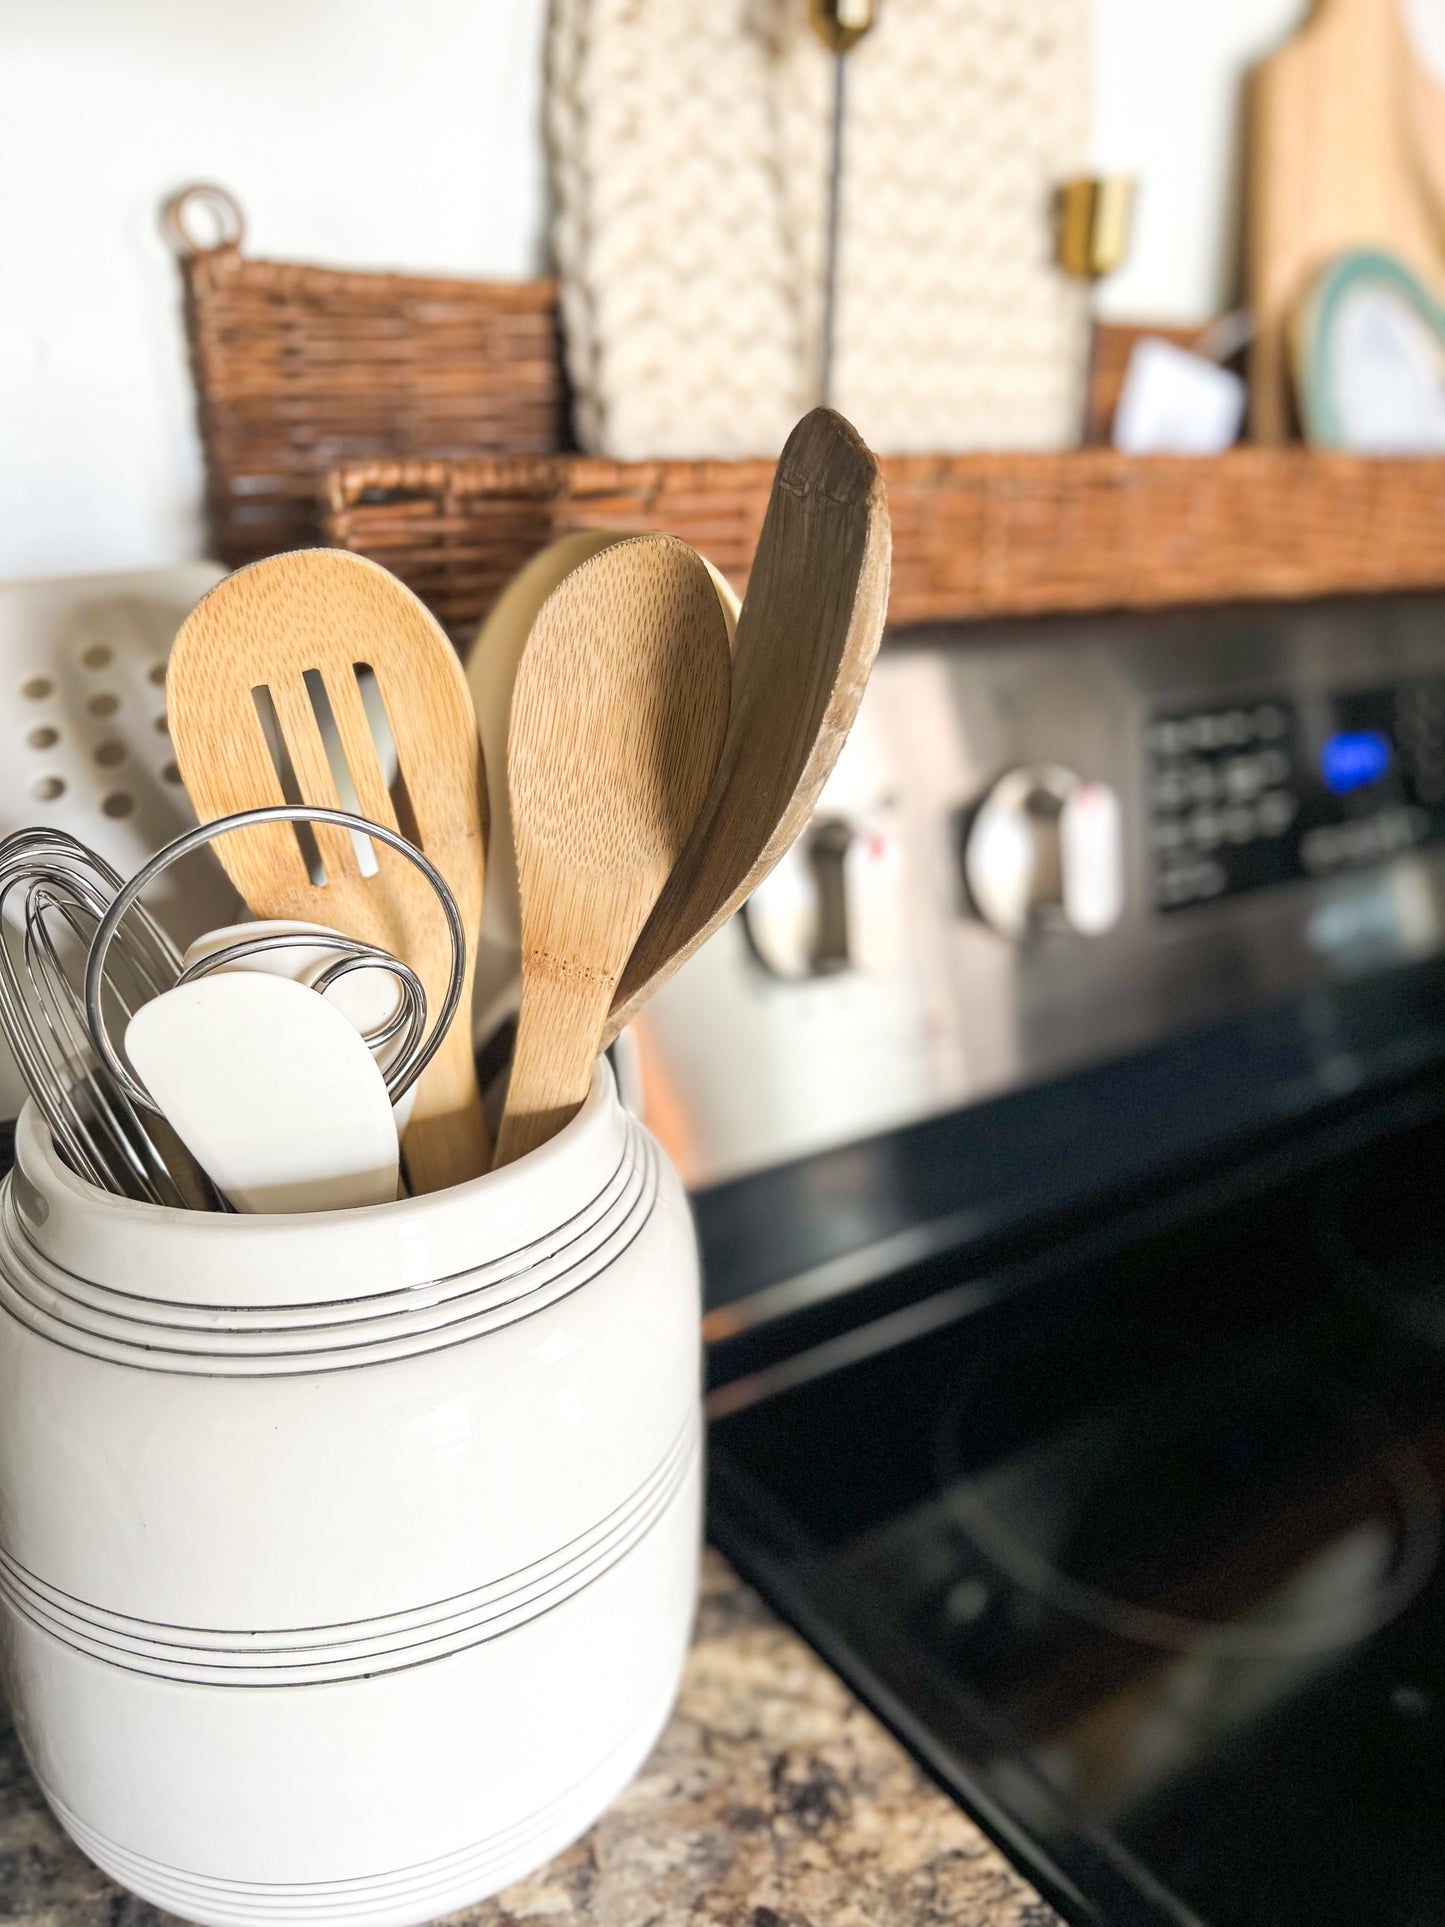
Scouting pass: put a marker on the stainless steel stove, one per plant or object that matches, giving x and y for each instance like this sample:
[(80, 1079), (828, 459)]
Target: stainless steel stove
[(1066, 1133)]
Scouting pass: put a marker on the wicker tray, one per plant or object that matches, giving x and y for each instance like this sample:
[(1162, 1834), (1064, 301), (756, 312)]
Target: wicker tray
[(976, 535), (300, 368)]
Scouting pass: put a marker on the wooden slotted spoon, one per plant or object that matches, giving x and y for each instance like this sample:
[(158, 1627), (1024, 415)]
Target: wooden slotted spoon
[(810, 627), (332, 614), (619, 711)]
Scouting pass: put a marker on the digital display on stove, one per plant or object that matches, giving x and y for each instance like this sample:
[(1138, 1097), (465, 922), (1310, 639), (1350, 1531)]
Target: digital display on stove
[(1251, 794), (1353, 758)]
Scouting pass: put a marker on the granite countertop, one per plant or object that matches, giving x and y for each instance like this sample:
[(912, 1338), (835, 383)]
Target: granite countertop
[(773, 1799)]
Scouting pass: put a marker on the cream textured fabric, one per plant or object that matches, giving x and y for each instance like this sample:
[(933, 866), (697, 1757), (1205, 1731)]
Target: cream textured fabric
[(690, 145)]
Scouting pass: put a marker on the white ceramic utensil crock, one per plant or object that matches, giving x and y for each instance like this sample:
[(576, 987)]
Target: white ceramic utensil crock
[(347, 1561)]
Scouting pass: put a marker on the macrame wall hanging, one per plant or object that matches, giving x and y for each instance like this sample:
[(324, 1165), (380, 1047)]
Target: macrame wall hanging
[(691, 142)]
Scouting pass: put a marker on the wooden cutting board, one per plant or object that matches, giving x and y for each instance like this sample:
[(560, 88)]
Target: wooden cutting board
[(1425, 131), (1347, 149)]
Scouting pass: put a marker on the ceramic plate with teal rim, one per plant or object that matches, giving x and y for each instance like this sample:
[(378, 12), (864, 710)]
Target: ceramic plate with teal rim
[(1369, 359)]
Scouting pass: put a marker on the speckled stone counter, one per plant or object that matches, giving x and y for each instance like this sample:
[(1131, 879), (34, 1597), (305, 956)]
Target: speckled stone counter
[(772, 1800)]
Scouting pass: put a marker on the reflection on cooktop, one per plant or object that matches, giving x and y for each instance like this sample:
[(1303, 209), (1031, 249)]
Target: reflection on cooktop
[(1147, 1565), (1244, 1510), (1382, 1237)]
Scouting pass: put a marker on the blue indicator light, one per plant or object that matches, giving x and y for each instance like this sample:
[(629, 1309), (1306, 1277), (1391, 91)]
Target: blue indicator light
[(1352, 758)]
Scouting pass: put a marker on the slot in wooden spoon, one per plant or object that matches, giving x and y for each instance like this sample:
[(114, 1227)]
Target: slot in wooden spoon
[(330, 614), (809, 630), (618, 717)]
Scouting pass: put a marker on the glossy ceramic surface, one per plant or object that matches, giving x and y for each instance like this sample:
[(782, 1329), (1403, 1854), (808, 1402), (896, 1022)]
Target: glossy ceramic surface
[(347, 1561)]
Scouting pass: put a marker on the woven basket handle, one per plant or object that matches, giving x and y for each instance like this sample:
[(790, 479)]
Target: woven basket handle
[(220, 213)]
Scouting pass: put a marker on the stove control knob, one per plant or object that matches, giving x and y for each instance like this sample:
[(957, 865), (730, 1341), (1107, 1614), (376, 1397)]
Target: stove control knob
[(833, 903), (1044, 849)]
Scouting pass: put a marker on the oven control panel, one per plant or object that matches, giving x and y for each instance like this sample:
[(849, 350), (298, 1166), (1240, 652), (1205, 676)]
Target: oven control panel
[(1048, 844), (1242, 796)]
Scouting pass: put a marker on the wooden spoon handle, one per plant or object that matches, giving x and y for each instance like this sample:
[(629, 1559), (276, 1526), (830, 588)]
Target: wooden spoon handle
[(446, 1139), (557, 1044)]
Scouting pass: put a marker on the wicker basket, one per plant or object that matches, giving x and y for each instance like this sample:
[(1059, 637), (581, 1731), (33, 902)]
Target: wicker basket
[(976, 535), (299, 368)]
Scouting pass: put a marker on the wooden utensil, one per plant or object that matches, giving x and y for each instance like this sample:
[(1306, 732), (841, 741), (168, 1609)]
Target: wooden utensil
[(1336, 162), (301, 627), (810, 627), (491, 668), (619, 711)]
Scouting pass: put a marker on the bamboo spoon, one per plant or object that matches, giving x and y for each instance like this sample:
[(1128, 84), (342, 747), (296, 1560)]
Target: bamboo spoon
[(619, 711), (323, 614), (810, 627), (491, 672)]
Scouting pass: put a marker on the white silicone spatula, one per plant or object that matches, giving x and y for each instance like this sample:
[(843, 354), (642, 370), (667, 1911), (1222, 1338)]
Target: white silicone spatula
[(367, 998), (272, 1091)]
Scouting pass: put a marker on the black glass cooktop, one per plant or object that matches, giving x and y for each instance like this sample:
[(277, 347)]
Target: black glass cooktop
[(1144, 1561)]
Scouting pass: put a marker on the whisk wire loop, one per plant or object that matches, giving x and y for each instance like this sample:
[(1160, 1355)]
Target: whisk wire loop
[(409, 1064), (57, 892), (79, 951)]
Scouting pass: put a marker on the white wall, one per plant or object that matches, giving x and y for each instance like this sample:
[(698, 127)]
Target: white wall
[(390, 133), (1168, 109), (398, 133)]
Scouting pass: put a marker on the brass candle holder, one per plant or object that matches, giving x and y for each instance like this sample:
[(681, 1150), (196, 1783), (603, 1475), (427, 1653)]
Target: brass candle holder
[(1095, 220)]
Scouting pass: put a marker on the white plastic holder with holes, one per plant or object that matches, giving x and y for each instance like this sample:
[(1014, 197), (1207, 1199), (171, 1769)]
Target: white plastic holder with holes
[(82, 670)]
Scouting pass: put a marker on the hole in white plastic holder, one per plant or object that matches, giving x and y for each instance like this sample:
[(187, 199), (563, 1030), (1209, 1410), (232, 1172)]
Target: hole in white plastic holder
[(36, 688), (118, 803), (45, 789)]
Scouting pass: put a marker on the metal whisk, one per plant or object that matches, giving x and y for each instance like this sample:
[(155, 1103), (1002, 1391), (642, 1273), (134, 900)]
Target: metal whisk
[(80, 954), (406, 1023), (54, 893), (420, 1045)]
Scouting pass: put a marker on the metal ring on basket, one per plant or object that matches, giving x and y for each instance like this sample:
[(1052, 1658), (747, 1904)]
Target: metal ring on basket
[(223, 210), (408, 1068)]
